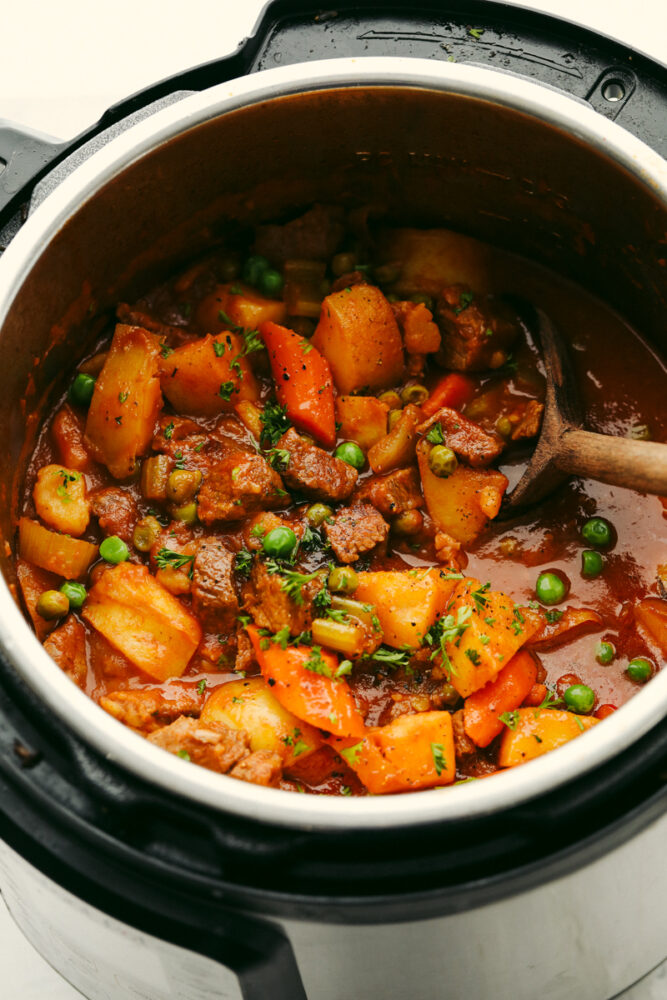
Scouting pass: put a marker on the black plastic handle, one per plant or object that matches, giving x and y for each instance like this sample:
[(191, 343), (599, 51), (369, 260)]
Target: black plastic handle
[(25, 156)]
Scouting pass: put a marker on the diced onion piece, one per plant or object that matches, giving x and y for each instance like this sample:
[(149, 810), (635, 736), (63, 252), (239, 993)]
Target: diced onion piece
[(68, 557)]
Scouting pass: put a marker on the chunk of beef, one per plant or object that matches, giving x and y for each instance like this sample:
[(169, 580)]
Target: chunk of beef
[(392, 494), (314, 472), (148, 709), (476, 332), (263, 767), (463, 745), (355, 530), (238, 485), (420, 334), (116, 511), (176, 433), (214, 600), (529, 421), (349, 279), (136, 316), (214, 745), (272, 608), (245, 654), (465, 437), (316, 235), (67, 646), (449, 551)]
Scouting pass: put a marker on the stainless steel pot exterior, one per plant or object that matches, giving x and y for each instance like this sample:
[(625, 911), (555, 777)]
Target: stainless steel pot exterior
[(509, 161), (589, 935)]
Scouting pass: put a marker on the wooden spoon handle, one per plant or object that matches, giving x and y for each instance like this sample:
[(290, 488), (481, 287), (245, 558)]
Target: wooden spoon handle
[(638, 465)]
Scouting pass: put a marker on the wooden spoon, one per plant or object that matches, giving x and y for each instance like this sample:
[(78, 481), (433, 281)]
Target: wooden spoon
[(565, 449)]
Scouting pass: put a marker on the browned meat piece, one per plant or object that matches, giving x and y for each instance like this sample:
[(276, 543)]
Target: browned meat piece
[(349, 279), (263, 767), (67, 646), (314, 472), (149, 709), (238, 485), (272, 608), (355, 530), (245, 654), (316, 235), (392, 494), (214, 600), (116, 511), (476, 332), (177, 432), (214, 745), (449, 551), (465, 437), (529, 422), (135, 316), (463, 745), (33, 581)]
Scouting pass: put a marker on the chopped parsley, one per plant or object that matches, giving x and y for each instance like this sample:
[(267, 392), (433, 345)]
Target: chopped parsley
[(243, 562), (435, 435), (169, 559), (169, 430), (122, 396), (553, 616), (392, 657), (278, 458), (274, 423), (473, 656), (551, 700), (219, 348), (476, 32), (183, 754), (315, 663), (226, 389), (166, 350), (201, 686), (344, 668), (464, 301), (480, 598), (510, 719), (292, 581), (352, 754), (438, 752)]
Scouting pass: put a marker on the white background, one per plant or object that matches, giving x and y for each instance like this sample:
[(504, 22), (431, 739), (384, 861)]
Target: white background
[(64, 63)]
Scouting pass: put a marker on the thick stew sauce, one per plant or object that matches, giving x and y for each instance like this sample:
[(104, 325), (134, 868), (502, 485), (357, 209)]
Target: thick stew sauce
[(264, 527)]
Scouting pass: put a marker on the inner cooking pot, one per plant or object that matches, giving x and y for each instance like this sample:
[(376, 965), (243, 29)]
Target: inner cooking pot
[(513, 163)]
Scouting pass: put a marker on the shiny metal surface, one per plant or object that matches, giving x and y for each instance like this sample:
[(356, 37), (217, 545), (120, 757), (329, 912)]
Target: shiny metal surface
[(52, 225)]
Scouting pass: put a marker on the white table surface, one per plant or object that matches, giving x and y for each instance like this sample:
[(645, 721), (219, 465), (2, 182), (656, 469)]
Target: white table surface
[(64, 63)]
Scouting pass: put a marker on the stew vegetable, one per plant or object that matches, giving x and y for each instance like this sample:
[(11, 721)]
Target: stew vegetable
[(261, 528)]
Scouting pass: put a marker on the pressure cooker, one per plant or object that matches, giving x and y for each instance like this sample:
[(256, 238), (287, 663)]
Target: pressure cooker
[(134, 879)]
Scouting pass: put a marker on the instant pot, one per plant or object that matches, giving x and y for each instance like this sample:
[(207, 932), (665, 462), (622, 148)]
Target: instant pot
[(137, 876)]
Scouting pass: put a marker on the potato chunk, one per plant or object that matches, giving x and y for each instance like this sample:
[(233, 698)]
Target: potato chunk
[(358, 335), (60, 499), (407, 602), (249, 704), (535, 731), (126, 401), (362, 419), (208, 376), (143, 620)]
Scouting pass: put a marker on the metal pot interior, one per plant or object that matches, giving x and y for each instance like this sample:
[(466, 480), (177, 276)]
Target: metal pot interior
[(439, 146)]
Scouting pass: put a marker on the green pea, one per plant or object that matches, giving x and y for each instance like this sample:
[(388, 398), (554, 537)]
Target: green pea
[(81, 390), (279, 543), (392, 399), (317, 514), (392, 418), (271, 283), (639, 669), (604, 652), (114, 550), (579, 698), (146, 532), (416, 394), (550, 589), (75, 593), (442, 461), (187, 513), (409, 523), (343, 263), (592, 563), (253, 268), (343, 580), (52, 604), (597, 532), (504, 426), (422, 298), (351, 453)]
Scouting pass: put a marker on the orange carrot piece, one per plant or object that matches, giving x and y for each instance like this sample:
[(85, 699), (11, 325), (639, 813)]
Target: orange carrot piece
[(302, 378), (412, 752), (535, 696), (143, 620), (482, 708), (452, 390), (574, 623), (68, 557), (652, 614), (236, 304), (362, 419), (537, 731), (303, 680)]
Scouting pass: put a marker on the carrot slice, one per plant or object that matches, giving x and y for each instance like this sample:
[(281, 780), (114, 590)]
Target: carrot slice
[(303, 382), (573, 623), (303, 679), (412, 752), (652, 614), (452, 390), (482, 708), (537, 731)]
